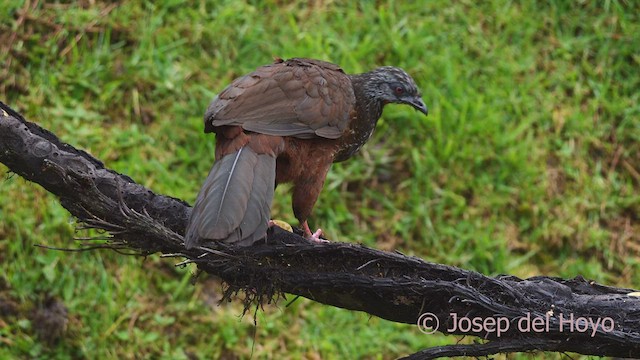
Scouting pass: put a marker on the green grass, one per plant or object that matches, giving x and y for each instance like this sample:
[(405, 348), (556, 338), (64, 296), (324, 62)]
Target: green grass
[(528, 163)]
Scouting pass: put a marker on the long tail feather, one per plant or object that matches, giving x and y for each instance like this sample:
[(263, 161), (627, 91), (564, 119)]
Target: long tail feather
[(234, 203)]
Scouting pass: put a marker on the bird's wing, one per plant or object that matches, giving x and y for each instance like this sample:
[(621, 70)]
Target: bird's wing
[(298, 97)]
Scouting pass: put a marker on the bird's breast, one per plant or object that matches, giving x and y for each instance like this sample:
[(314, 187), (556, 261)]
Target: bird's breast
[(356, 136)]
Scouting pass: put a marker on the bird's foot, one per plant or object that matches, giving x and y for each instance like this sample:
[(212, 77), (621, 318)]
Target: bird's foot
[(315, 237)]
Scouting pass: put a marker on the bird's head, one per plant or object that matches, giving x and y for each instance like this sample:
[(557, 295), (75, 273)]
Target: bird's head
[(394, 85)]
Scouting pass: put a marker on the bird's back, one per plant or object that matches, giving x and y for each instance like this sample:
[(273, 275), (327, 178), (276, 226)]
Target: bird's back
[(303, 98)]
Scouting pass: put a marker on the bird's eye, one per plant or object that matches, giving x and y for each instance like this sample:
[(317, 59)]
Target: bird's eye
[(399, 90)]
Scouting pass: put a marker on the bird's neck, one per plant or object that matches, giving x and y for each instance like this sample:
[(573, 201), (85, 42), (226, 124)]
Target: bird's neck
[(368, 102), (368, 111)]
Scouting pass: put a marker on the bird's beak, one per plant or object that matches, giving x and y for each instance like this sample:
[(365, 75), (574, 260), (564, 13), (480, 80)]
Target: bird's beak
[(418, 104)]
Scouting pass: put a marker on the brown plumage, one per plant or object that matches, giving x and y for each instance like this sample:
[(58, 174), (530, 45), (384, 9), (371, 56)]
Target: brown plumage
[(286, 122)]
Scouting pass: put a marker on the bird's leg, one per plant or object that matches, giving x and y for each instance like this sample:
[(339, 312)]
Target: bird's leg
[(312, 236), (307, 186)]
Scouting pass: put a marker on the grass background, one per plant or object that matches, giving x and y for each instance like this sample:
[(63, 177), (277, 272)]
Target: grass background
[(528, 164)]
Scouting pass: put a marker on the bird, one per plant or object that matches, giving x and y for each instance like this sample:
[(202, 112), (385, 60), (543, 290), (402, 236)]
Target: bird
[(286, 122)]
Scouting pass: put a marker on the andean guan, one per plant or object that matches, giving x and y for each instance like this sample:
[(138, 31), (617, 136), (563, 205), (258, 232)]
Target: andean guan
[(286, 122)]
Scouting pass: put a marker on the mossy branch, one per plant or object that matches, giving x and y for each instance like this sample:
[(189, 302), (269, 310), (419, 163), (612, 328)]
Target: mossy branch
[(388, 285)]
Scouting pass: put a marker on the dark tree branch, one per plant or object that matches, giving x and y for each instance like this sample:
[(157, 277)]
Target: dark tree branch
[(493, 347), (389, 285)]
